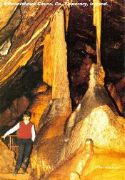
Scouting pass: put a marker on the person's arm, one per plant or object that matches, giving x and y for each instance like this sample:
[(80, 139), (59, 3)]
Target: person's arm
[(12, 130), (33, 133)]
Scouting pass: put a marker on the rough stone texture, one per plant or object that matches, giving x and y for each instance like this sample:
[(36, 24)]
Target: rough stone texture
[(7, 161), (60, 75), (55, 60), (73, 167), (115, 96), (11, 114), (102, 126), (48, 56), (46, 154), (39, 105), (98, 119), (25, 37), (6, 12)]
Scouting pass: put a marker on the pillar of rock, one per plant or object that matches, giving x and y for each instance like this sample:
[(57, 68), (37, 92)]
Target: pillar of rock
[(60, 79)]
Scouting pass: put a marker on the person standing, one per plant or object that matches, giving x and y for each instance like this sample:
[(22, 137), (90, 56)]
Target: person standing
[(26, 136)]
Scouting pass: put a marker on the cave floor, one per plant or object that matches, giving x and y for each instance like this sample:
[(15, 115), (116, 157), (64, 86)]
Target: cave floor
[(104, 166), (10, 176)]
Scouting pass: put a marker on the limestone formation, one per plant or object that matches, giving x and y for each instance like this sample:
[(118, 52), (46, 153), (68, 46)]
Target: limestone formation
[(25, 38), (50, 135), (59, 43), (55, 61), (98, 120), (7, 161), (47, 60), (6, 12), (17, 108), (73, 167), (39, 105)]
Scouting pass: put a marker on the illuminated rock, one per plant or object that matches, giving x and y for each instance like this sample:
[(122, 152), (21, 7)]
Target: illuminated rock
[(98, 119), (39, 105), (55, 60), (7, 161), (6, 11), (47, 148), (32, 26), (73, 167), (47, 60)]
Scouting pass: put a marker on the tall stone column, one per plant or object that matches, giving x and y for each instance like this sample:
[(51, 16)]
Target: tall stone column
[(55, 61)]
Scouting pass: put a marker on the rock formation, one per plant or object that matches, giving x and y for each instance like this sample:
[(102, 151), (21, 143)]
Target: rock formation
[(50, 134), (7, 161), (46, 53), (98, 119), (11, 114), (73, 167), (40, 103)]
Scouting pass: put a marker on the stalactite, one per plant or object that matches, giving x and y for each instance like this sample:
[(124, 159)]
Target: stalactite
[(97, 16), (55, 60)]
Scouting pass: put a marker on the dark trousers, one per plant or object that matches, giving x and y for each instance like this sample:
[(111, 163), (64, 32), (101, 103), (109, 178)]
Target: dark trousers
[(25, 147)]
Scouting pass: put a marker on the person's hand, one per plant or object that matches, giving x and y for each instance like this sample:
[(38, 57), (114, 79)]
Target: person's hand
[(3, 137)]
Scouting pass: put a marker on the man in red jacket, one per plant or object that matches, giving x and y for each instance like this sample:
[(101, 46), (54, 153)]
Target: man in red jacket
[(26, 136)]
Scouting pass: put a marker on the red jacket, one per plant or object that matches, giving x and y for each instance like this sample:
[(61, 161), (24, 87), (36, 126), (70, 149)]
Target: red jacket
[(25, 131)]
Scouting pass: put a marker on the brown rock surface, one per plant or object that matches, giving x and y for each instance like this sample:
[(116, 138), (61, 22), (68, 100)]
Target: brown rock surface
[(55, 60), (7, 162), (6, 12), (48, 60), (17, 108), (25, 38), (39, 105), (46, 154), (73, 167)]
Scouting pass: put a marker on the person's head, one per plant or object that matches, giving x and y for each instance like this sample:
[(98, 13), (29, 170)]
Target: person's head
[(27, 116)]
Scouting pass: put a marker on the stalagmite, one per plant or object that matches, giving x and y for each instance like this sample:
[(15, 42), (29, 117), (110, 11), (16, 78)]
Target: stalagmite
[(98, 114)]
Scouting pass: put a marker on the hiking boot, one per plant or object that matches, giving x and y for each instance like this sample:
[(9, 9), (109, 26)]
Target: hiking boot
[(24, 170), (15, 172)]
